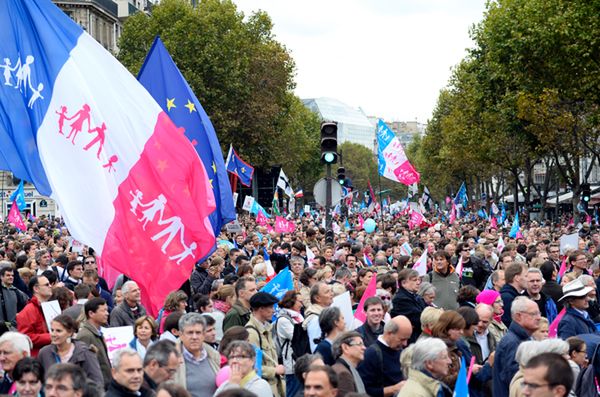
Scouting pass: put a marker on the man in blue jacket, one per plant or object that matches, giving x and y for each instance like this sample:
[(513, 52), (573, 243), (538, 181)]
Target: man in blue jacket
[(516, 282), (576, 320), (525, 321)]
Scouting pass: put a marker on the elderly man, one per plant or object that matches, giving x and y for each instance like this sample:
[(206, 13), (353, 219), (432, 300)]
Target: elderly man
[(321, 296), (130, 309), (239, 314), (430, 363), (483, 343), (525, 321), (379, 370), (349, 351), (30, 320), (373, 327), (13, 347), (576, 320), (260, 335), (198, 369), (65, 380), (160, 363), (128, 375)]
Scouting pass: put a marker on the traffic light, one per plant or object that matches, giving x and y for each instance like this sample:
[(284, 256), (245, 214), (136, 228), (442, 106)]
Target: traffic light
[(586, 192), (329, 236), (341, 175), (329, 142)]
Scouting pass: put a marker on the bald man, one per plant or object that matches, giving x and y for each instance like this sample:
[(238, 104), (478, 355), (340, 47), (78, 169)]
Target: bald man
[(380, 371)]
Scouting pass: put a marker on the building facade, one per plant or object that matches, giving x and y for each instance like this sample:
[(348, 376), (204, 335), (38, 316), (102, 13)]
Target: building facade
[(353, 124)]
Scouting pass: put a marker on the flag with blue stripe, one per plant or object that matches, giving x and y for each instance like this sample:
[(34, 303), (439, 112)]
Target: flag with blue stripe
[(461, 389), (163, 80), (280, 284), (515, 227), (461, 196)]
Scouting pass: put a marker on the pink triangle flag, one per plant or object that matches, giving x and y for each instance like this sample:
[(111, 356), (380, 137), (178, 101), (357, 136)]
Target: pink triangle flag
[(14, 217), (369, 292), (553, 328), (563, 268)]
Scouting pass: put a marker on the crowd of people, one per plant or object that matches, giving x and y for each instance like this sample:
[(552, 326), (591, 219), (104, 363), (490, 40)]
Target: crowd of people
[(519, 314)]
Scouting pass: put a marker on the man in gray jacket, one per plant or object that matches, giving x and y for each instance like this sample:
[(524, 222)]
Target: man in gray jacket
[(130, 309)]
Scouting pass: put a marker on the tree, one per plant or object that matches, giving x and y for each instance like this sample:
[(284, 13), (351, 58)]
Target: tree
[(242, 76)]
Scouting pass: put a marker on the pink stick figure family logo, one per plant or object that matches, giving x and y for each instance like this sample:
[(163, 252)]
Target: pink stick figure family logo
[(21, 74), (80, 119)]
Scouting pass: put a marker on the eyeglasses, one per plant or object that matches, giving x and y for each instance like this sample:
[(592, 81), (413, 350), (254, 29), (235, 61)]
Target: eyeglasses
[(535, 386), (533, 314), (170, 371), (89, 262), (385, 298)]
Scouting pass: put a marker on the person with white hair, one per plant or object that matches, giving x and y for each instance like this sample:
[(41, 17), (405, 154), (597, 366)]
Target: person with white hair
[(13, 347), (525, 321), (528, 350), (130, 309), (430, 362)]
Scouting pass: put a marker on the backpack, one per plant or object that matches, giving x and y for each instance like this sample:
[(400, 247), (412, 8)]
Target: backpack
[(299, 342)]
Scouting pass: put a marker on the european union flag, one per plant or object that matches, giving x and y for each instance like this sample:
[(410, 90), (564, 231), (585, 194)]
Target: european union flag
[(19, 196), (163, 80), (239, 167)]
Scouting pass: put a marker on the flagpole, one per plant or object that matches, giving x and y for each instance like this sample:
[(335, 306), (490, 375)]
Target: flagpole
[(380, 201)]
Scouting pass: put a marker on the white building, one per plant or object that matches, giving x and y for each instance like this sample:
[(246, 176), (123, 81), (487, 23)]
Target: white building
[(353, 124)]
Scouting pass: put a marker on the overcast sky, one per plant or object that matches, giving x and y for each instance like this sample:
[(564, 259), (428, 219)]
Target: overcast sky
[(389, 57)]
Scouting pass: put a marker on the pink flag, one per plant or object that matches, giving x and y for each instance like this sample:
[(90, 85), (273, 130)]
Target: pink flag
[(369, 292), (453, 213), (261, 219), (571, 222), (563, 268), (282, 225), (416, 218), (553, 328), (14, 217), (588, 218), (494, 223), (361, 222)]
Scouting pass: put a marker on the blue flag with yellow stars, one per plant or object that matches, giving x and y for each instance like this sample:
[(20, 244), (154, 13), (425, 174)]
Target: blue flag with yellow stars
[(163, 80), (239, 167)]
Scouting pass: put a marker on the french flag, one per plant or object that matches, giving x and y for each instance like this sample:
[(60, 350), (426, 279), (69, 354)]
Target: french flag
[(78, 125), (367, 260)]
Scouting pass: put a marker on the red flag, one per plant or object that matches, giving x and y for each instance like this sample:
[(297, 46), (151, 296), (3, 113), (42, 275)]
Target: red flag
[(563, 268), (371, 192), (361, 222), (369, 292), (14, 217)]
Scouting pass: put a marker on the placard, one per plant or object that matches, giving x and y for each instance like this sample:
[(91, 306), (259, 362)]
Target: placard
[(50, 309), (117, 338)]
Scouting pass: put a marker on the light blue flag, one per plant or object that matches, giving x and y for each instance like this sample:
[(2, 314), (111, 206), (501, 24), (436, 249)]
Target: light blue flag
[(461, 389), (19, 196), (461, 196), (280, 284), (256, 208), (515, 227)]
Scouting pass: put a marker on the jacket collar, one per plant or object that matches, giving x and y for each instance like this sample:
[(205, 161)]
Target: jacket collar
[(519, 331)]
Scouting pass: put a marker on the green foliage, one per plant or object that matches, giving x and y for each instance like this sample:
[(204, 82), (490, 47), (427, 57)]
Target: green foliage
[(242, 76)]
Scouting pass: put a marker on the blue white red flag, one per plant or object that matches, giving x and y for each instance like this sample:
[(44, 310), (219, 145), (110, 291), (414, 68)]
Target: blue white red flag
[(239, 167), (163, 80), (83, 130), (367, 260), (18, 196), (392, 161)]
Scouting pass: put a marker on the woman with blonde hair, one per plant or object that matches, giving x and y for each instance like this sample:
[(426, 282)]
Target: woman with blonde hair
[(223, 299)]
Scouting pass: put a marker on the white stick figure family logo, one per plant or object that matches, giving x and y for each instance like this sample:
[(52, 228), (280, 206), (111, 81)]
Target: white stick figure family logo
[(174, 225), (21, 73), (79, 120)]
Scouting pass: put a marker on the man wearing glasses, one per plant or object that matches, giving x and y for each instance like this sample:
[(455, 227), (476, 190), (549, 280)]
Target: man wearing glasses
[(554, 255), (349, 351), (160, 363), (547, 375), (525, 321), (30, 320), (65, 380)]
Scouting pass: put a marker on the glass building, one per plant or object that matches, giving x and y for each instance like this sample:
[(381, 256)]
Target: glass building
[(353, 124)]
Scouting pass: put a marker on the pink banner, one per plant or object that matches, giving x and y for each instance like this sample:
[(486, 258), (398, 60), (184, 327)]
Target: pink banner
[(407, 174), (282, 225), (14, 217), (369, 292), (361, 222), (261, 219), (416, 218)]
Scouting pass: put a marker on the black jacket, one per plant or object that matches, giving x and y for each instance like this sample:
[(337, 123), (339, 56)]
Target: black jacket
[(116, 390), (410, 305), (508, 294)]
